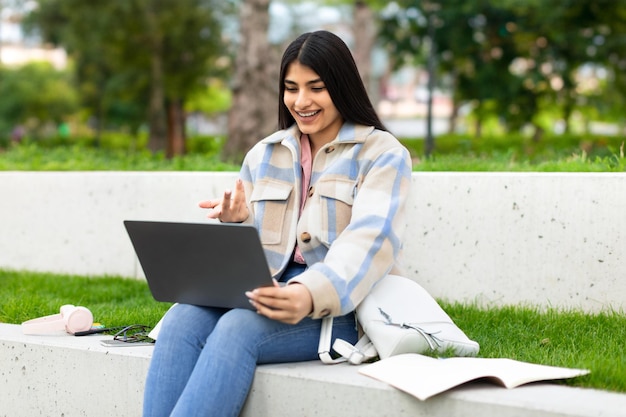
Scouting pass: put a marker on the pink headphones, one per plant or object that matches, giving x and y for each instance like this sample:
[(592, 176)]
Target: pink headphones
[(72, 319)]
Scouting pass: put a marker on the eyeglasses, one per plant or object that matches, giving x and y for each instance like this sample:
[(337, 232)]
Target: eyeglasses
[(133, 334)]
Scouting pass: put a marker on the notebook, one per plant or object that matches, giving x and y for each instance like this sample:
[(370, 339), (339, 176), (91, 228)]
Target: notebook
[(207, 264)]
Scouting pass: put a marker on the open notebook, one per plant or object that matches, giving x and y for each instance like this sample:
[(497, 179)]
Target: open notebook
[(424, 376)]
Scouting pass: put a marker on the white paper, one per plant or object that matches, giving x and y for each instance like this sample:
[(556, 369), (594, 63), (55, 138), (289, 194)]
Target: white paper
[(424, 376)]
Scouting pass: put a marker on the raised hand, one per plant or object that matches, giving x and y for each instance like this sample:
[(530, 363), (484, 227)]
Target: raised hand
[(231, 208)]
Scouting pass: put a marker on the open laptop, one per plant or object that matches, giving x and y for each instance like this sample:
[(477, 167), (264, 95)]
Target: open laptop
[(207, 264)]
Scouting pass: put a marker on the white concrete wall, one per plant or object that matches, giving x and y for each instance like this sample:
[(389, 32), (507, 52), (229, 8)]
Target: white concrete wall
[(498, 238)]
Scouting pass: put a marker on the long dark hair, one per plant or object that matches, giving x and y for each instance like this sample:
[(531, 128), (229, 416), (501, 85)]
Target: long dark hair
[(327, 55)]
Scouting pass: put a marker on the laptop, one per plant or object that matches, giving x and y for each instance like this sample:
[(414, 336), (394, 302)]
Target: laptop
[(207, 264)]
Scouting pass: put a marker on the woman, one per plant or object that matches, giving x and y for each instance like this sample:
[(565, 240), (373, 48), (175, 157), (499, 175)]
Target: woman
[(327, 194)]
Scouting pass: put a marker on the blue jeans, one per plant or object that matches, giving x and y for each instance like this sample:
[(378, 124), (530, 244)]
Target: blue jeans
[(205, 358)]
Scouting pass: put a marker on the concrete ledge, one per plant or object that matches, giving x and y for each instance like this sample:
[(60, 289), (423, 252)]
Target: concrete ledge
[(62, 375), (548, 239)]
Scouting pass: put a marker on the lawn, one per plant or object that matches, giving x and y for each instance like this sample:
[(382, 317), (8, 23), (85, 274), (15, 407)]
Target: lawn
[(565, 153), (551, 337)]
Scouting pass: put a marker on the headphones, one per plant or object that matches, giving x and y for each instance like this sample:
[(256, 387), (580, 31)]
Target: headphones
[(72, 319)]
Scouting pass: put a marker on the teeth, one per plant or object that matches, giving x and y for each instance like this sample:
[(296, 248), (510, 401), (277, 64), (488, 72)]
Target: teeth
[(307, 114)]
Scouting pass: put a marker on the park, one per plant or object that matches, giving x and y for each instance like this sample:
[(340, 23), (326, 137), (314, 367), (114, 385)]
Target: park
[(512, 118)]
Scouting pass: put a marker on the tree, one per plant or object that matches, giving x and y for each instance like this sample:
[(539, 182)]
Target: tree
[(253, 113), (138, 51), (469, 44), (562, 37), (510, 58)]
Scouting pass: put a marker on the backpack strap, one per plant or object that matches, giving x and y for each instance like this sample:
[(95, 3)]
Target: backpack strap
[(363, 351)]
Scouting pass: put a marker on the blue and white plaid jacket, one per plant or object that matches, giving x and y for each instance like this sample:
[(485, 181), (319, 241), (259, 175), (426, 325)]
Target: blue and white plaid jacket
[(350, 231)]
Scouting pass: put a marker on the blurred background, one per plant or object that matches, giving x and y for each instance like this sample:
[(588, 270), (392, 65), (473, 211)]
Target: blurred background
[(176, 77)]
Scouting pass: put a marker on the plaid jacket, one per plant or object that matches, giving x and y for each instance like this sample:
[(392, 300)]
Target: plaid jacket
[(351, 227)]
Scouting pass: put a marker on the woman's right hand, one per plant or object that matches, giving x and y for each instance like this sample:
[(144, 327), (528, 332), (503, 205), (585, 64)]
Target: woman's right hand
[(231, 208)]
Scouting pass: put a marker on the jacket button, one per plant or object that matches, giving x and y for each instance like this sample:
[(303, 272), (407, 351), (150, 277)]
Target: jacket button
[(311, 191), (330, 149), (324, 313), (306, 237)]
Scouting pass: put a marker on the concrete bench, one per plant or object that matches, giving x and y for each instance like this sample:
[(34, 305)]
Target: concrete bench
[(63, 375)]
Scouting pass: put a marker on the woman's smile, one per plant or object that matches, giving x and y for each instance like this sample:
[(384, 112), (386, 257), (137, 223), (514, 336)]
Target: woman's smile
[(308, 115)]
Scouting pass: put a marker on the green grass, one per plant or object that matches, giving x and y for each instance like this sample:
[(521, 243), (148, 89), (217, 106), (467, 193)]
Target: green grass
[(567, 338), (31, 157), (114, 301), (509, 162), (559, 338), (565, 153)]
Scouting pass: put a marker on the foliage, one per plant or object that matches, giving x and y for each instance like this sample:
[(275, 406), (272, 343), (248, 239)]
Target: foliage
[(214, 99), (34, 96), (550, 337), (134, 58), (137, 63), (517, 152), (516, 56), (552, 147), (117, 151)]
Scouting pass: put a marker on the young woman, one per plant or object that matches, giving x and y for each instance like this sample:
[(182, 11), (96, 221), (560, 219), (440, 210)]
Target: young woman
[(327, 195)]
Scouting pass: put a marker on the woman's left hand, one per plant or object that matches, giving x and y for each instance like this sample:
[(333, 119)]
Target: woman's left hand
[(231, 208), (288, 304)]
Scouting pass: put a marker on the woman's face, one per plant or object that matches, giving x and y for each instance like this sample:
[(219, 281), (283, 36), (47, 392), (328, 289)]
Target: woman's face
[(309, 103)]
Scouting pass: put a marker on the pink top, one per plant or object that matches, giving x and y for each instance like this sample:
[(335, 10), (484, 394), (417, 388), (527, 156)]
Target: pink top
[(306, 160)]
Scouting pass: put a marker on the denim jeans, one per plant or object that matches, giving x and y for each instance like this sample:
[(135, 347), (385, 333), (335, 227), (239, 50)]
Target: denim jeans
[(205, 358)]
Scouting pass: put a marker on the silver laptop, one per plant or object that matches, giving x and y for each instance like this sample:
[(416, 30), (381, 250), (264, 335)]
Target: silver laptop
[(207, 264)]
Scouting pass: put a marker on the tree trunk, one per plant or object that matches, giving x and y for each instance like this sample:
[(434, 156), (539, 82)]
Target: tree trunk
[(253, 114), (364, 38), (568, 109), (156, 118), (429, 143), (175, 129), (156, 107), (454, 115), (538, 133), (478, 112), (98, 120)]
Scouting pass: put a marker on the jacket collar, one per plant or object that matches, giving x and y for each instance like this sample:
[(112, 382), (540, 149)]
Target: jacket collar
[(349, 133)]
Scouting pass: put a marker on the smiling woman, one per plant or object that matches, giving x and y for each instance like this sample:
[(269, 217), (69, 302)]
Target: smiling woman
[(327, 195)]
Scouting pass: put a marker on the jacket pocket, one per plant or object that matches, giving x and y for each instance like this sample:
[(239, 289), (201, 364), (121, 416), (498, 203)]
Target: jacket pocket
[(271, 200), (336, 200)]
